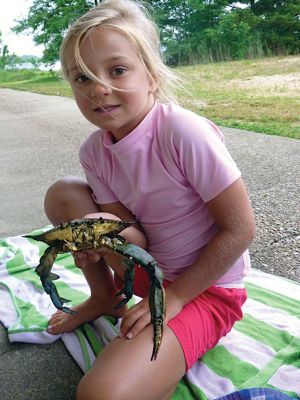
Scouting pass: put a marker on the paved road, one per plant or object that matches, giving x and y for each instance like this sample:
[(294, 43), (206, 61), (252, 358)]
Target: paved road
[(40, 136)]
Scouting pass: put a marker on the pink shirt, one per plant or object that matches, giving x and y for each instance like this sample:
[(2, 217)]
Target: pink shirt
[(164, 172)]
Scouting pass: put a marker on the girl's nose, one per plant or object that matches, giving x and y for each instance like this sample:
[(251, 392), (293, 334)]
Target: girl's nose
[(100, 89)]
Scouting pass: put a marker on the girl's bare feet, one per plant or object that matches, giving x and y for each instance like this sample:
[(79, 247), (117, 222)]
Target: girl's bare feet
[(61, 322)]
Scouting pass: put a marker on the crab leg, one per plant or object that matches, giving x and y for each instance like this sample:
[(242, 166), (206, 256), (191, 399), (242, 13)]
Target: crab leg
[(128, 283), (58, 301), (157, 302), (46, 262), (157, 305), (46, 277)]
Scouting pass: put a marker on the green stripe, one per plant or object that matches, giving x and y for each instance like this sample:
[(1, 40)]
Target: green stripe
[(85, 353), (7, 249), (244, 375), (273, 299), (186, 390), (290, 355), (4, 254), (231, 367), (92, 339), (73, 295), (3, 243), (18, 268), (114, 320), (264, 333), (29, 318)]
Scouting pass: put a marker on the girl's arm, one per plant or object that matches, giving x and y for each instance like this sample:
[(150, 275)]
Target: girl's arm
[(233, 214)]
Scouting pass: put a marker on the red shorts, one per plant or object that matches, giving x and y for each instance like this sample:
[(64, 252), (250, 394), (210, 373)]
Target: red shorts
[(202, 322)]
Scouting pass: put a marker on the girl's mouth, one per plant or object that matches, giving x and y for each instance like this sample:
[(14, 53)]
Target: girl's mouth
[(108, 109)]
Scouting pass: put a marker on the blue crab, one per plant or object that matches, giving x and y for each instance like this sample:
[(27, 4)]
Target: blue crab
[(92, 233)]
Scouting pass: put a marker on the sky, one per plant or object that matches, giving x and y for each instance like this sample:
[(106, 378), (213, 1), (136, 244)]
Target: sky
[(21, 44)]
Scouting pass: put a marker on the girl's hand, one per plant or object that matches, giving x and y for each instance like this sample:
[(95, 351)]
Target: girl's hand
[(84, 258), (138, 316)]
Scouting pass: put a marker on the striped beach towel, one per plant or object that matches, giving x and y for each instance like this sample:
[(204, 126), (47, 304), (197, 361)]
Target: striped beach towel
[(261, 351)]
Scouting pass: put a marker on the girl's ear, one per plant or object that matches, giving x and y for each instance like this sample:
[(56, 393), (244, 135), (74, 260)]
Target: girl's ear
[(153, 84)]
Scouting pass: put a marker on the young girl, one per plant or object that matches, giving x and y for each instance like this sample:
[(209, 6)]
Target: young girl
[(168, 168)]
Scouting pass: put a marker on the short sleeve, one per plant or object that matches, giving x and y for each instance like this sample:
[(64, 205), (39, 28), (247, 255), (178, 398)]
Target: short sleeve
[(203, 156)]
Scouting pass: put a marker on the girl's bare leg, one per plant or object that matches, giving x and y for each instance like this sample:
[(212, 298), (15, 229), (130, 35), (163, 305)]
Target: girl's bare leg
[(123, 370), (68, 199)]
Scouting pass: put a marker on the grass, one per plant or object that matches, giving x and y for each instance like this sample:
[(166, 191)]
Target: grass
[(35, 81), (256, 95)]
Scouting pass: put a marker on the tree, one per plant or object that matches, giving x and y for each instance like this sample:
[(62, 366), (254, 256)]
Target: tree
[(48, 20), (213, 30), (191, 30), (4, 53), (279, 24), (209, 30)]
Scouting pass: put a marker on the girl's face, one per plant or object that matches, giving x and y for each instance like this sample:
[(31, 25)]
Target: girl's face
[(114, 60)]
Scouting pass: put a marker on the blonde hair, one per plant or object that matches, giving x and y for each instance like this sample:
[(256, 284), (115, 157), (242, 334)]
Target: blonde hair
[(133, 19)]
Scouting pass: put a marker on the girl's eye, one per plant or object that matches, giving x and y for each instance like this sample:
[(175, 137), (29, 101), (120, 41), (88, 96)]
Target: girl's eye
[(118, 71), (81, 78)]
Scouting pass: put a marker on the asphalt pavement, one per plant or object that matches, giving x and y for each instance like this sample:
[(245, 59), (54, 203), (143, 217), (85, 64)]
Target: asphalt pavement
[(39, 141)]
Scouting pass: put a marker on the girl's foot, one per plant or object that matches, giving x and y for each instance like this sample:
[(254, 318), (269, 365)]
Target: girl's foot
[(61, 322)]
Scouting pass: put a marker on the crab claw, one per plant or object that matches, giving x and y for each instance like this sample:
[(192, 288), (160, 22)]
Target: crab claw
[(158, 333), (157, 310), (128, 284), (68, 310), (58, 301), (157, 305)]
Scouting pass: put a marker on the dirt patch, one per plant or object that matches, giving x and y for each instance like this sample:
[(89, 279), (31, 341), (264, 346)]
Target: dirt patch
[(280, 84), (199, 103), (284, 62)]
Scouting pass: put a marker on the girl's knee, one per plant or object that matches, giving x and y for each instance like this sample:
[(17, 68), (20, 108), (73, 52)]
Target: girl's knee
[(68, 198), (64, 189), (93, 387)]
